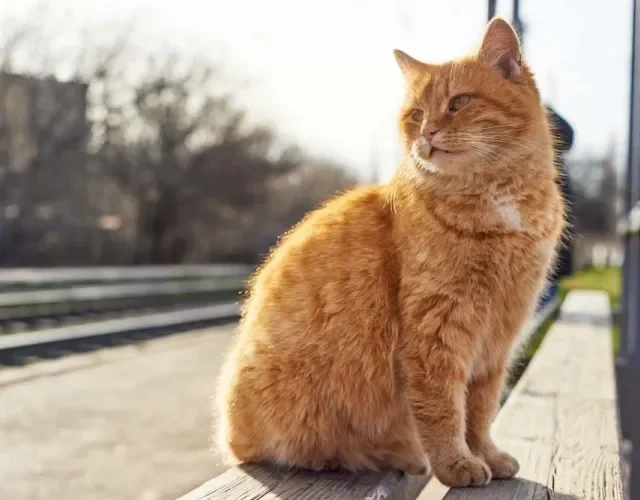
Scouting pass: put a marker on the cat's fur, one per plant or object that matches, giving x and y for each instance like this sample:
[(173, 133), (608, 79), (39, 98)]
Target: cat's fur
[(379, 331)]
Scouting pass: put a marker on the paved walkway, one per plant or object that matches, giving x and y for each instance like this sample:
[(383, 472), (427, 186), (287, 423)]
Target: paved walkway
[(130, 422)]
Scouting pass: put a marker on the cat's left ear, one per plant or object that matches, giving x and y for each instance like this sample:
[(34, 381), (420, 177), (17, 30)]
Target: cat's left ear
[(500, 49)]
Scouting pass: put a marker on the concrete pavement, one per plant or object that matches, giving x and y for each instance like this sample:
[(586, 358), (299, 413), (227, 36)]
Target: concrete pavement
[(130, 422)]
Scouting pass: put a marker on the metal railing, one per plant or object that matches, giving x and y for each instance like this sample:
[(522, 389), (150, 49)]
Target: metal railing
[(24, 277), (16, 305), (628, 362), (147, 301)]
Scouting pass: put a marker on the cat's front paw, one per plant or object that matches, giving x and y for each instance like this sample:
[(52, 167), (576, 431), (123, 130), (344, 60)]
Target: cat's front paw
[(502, 465), (462, 470)]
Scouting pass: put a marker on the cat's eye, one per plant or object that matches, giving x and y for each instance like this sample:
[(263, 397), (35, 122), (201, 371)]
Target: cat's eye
[(417, 115), (459, 102)]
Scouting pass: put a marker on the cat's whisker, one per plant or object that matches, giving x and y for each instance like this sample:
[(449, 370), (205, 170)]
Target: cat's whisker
[(506, 146), (506, 126), (494, 138), (499, 154)]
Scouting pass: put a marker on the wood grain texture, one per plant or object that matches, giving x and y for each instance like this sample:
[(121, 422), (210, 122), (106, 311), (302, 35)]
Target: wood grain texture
[(252, 482), (561, 420)]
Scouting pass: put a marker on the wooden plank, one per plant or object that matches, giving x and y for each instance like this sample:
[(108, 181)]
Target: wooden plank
[(561, 419), (252, 482)]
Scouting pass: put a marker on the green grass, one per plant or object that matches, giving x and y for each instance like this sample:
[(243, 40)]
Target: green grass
[(527, 353), (608, 279), (536, 338)]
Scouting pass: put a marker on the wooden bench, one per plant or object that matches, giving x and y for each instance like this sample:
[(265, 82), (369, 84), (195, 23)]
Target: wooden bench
[(560, 421)]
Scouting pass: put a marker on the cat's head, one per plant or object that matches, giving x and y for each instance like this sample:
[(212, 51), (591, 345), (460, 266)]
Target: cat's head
[(473, 115)]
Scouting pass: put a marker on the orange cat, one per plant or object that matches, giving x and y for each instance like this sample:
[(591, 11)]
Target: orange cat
[(380, 330)]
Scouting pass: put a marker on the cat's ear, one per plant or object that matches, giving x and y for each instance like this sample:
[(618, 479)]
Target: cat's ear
[(500, 49), (409, 66)]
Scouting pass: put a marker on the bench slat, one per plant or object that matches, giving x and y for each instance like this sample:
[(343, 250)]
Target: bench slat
[(561, 419), (252, 482)]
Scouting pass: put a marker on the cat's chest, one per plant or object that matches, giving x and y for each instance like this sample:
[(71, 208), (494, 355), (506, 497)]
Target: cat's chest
[(493, 267)]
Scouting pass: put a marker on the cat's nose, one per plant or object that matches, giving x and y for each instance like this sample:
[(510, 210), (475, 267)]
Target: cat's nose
[(429, 131)]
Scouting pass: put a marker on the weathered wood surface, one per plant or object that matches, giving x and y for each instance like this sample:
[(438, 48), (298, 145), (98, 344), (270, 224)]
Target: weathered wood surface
[(561, 420), (252, 482)]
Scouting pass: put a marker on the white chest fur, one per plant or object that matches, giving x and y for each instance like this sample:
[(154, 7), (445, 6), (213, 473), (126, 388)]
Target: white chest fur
[(508, 212)]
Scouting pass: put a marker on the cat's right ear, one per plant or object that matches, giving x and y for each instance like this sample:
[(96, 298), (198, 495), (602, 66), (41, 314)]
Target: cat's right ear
[(409, 66), (500, 49)]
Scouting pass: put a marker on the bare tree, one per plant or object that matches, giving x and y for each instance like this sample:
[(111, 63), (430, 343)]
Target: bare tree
[(43, 133), (186, 156), (151, 165), (596, 191)]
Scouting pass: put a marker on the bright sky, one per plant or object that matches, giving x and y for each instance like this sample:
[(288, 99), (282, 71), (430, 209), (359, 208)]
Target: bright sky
[(323, 73)]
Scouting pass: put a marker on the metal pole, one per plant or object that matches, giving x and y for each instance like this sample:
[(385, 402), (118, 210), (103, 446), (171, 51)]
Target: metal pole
[(623, 376), (631, 396), (517, 22), (491, 9), (633, 195)]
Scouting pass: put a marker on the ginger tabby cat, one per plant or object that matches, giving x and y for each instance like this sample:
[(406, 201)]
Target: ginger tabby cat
[(379, 332)]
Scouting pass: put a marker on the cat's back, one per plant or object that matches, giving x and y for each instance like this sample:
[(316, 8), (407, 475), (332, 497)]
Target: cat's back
[(358, 220), (312, 356), (326, 263)]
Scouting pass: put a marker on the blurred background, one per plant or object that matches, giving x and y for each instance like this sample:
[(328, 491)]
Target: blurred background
[(193, 132), (150, 133)]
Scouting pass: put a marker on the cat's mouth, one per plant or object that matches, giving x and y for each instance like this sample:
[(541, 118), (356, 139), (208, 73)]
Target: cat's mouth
[(438, 150), (429, 155)]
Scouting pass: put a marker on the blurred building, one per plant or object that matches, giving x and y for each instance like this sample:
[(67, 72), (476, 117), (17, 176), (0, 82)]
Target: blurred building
[(37, 114), (43, 139)]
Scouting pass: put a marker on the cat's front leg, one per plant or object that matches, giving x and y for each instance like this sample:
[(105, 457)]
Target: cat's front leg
[(437, 370), (483, 399)]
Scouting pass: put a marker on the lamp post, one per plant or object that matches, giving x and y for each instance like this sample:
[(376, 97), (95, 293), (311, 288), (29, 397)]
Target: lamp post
[(628, 363)]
